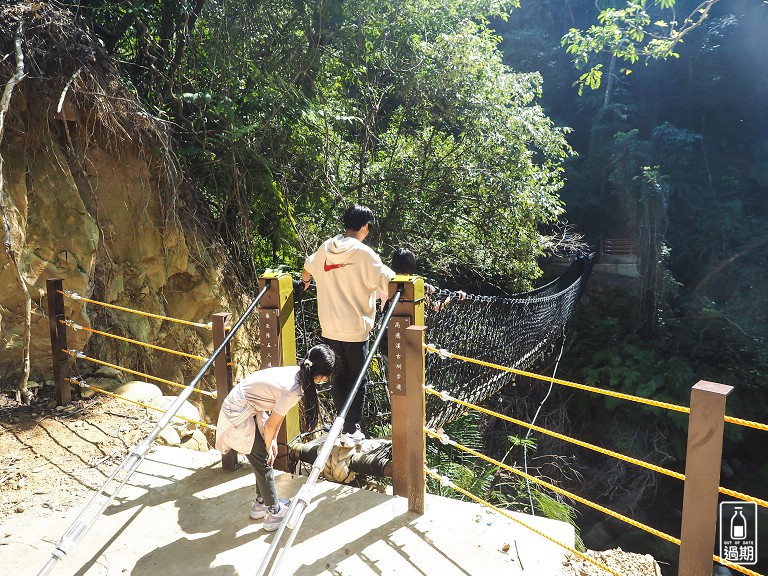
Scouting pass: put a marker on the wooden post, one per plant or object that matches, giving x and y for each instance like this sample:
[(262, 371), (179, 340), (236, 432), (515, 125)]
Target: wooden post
[(415, 407), (61, 371), (223, 373), (406, 386), (702, 478), (277, 334)]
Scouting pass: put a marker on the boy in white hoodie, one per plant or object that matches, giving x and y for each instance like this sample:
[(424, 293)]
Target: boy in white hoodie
[(348, 275)]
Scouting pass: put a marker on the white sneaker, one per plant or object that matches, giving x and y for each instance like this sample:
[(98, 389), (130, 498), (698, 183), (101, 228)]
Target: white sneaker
[(352, 438), (259, 509), (272, 522)]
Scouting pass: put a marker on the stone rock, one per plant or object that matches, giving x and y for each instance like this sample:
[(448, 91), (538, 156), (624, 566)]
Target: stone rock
[(719, 570), (597, 537), (108, 384), (140, 392), (195, 441), (187, 409), (169, 437), (109, 372)]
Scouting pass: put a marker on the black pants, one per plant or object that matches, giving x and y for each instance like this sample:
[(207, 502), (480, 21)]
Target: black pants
[(350, 357), (265, 475)]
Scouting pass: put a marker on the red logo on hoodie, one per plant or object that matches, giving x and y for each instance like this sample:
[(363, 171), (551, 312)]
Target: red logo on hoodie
[(328, 267)]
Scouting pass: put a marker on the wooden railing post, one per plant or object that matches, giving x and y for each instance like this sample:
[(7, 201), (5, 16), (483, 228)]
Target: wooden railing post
[(223, 374), (702, 478), (56, 314), (405, 335), (277, 335)]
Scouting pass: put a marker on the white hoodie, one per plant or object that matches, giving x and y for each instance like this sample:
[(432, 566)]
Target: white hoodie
[(348, 275)]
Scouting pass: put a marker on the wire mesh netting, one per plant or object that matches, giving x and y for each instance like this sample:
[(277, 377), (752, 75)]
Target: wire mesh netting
[(515, 331)]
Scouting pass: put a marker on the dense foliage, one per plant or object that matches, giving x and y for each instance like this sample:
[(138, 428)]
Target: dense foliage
[(286, 111)]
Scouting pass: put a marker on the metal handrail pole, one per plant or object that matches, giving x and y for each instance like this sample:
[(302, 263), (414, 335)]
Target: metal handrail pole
[(296, 512), (131, 462)]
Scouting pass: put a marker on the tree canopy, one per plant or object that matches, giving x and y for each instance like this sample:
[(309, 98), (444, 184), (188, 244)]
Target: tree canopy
[(287, 111)]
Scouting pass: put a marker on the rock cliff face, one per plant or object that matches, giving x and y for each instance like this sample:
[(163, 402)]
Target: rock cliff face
[(91, 194), (99, 222)]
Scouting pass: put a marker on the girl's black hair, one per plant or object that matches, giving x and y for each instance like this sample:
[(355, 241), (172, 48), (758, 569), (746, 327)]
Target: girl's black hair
[(403, 261), (320, 361)]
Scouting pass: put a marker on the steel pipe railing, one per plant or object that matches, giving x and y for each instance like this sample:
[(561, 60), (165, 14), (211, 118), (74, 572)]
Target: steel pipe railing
[(86, 519)]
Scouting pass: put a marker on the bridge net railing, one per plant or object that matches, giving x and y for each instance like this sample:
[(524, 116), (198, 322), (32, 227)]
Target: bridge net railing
[(517, 330)]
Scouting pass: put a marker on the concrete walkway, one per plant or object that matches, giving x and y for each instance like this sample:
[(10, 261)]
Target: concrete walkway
[(181, 515)]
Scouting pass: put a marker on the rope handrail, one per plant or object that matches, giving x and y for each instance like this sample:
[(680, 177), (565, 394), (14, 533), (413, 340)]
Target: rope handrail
[(83, 356), (442, 437), (443, 353), (636, 461), (747, 423), (76, 327), (76, 296), (131, 462), (449, 483), (84, 384)]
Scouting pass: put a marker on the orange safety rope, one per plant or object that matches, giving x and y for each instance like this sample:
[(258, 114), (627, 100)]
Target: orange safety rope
[(676, 407), (83, 384), (76, 296), (77, 327), (446, 397), (447, 481), (82, 356)]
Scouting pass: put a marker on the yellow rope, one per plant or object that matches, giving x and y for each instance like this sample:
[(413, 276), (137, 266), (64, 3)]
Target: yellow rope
[(445, 396), (747, 423), (554, 488), (82, 356), (142, 404), (446, 481), (76, 327), (504, 513), (559, 436), (76, 296), (736, 567), (667, 405), (742, 496), (676, 407)]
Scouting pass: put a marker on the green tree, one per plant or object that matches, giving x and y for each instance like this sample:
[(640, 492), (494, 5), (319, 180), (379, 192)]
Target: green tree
[(632, 30)]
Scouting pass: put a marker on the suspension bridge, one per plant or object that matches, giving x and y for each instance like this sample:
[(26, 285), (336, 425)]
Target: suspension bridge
[(473, 349)]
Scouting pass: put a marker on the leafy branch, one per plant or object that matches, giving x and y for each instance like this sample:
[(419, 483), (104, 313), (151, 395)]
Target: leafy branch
[(631, 33)]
